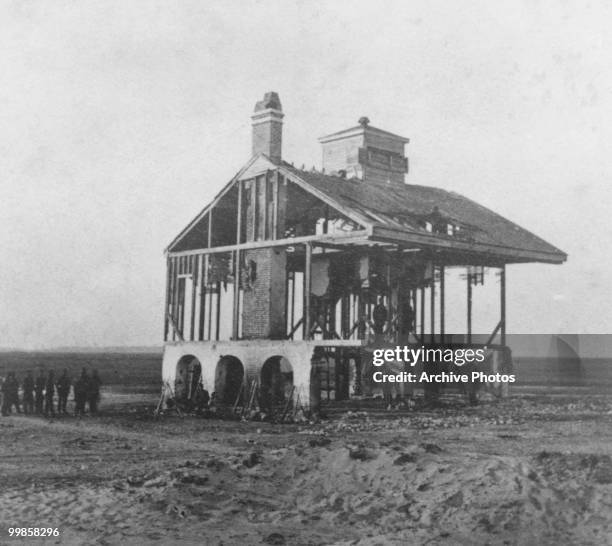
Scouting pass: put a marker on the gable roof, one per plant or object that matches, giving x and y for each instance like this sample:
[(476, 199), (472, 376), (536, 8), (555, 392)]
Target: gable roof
[(404, 209), (398, 212)]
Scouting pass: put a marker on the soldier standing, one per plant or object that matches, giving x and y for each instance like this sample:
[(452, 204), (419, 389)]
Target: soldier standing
[(201, 398), (63, 390), (39, 390), (80, 392), (28, 394), (93, 392), (49, 392), (406, 319), (10, 392), (379, 316)]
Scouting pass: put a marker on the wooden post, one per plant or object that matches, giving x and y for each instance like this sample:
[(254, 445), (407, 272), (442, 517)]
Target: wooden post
[(218, 320), (209, 242), (183, 301), (391, 325), (361, 315), (422, 298), (413, 304), (432, 307), (503, 303), (236, 310), (175, 293), (210, 294), (177, 302), (326, 223), (330, 320), (167, 298), (307, 289), (442, 287), (180, 306), (254, 207), (239, 212), (292, 300), (194, 286), (287, 292), (203, 285), (345, 317), (173, 281), (209, 238), (469, 307), (236, 298)]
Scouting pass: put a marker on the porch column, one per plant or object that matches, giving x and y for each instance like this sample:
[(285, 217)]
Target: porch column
[(469, 306), (236, 309), (442, 271), (167, 298), (194, 286), (175, 298), (218, 312), (209, 242), (432, 307), (502, 290), (203, 288), (422, 298), (307, 289)]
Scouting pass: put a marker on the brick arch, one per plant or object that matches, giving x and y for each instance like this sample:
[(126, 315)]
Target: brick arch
[(187, 377), (276, 381), (229, 379)]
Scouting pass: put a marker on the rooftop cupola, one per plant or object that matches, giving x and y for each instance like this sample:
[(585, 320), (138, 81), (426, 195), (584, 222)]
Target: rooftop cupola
[(367, 153)]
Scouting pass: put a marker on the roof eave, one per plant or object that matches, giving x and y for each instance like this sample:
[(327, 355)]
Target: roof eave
[(505, 254)]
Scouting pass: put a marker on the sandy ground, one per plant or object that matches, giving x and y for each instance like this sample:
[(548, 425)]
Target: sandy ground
[(533, 469)]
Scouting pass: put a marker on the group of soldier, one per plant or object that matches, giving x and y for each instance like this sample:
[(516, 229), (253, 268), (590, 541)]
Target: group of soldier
[(38, 393)]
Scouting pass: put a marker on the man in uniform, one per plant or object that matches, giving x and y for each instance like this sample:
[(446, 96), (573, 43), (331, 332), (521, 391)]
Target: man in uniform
[(63, 390), (39, 392), (201, 398), (28, 393), (81, 387), (49, 392), (10, 392), (93, 392), (406, 319), (379, 317)]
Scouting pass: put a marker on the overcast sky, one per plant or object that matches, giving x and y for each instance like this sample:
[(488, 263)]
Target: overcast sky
[(120, 120)]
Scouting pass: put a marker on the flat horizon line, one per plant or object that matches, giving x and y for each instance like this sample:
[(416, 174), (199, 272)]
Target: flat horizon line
[(86, 349)]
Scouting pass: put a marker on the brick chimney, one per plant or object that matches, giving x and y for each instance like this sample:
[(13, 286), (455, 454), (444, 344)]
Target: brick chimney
[(268, 127)]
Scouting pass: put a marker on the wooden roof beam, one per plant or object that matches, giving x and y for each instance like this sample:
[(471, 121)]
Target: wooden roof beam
[(355, 236), (501, 253)]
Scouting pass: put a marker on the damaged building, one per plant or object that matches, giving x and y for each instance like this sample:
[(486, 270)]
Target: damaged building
[(280, 288)]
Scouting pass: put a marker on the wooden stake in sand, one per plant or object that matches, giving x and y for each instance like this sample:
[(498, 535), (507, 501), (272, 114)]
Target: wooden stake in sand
[(252, 393), (240, 391), (287, 404), (167, 394)]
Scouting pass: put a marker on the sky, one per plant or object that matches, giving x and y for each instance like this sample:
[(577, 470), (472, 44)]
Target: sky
[(119, 121)]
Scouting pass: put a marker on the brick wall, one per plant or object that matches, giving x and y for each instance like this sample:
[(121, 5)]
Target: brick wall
[(263, 313)]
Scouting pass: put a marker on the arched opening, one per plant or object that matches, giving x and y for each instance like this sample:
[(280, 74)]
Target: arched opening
[(276, 382), (229, 376), (188, 377)]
